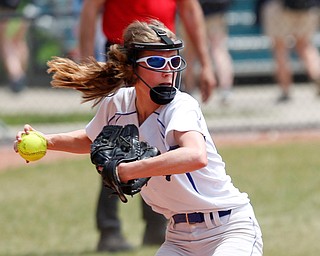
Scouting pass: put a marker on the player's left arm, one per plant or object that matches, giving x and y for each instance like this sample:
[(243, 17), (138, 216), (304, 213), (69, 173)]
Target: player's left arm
[(193, 20), (190, 156)]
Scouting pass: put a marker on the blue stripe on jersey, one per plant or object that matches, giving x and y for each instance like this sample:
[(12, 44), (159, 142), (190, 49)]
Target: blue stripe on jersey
[(118, 115), (174, 147), (163, 126), (168, 177), (191, 181), (187, 174), (159, 121)]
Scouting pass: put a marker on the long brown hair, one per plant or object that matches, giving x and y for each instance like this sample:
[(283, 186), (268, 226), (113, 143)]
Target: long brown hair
[(96, 80)]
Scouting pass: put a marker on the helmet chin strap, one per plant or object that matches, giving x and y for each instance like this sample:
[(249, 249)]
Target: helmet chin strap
[(160, 94)]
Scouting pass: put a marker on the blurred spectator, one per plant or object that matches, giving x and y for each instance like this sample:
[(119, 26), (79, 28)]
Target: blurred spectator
[(100, 40), (13, 46), (217, 32), (292, 24), (116, 16), (166, 11)]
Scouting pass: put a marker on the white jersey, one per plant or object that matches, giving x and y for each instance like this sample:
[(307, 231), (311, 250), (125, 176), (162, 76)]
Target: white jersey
[(205, 190)]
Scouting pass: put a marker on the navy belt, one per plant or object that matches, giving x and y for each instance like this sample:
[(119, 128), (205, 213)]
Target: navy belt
[(196, 217)]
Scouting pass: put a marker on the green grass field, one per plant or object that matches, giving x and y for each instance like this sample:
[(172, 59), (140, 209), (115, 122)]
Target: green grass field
[(48, 209)]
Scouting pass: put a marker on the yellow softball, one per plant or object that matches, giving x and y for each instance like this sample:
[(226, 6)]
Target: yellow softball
[(33, 146)]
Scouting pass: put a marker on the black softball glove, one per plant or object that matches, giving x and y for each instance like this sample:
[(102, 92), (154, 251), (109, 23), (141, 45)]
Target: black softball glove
[(116, 144)]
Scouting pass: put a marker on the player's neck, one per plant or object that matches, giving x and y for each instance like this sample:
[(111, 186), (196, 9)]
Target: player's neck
[(145, 109)]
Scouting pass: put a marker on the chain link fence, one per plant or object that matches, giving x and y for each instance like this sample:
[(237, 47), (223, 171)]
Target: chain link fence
[(253, 106)]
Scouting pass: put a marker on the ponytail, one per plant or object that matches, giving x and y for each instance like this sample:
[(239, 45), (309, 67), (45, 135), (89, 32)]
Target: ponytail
[(95, 80)]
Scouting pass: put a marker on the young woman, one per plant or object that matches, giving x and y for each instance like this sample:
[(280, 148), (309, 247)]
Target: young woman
[(140, 85)]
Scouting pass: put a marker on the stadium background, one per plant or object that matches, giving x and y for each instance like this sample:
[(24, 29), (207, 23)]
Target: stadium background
[(253, 107)]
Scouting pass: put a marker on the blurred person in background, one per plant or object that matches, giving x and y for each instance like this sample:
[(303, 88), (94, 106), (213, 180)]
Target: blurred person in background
[(99, 41), (14, 50), (117, 15), (292, 24), (217, 32)]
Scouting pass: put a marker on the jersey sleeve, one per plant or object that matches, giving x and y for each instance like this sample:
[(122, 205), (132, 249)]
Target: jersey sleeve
[(184, 115), (95, 126), (121, 103)]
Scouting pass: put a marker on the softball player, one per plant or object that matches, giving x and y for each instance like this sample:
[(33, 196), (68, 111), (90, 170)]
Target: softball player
[(189, 186)]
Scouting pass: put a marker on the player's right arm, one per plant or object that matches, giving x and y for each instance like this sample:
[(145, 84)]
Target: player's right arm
[(87, 26), (72, 142)]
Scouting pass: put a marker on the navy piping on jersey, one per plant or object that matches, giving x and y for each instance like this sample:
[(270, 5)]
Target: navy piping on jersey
[(163, 126), (162, 134), (118, 115), (187, 174), (191, 181), (174, 147)]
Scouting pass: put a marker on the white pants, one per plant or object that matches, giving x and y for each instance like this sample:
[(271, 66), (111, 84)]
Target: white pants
[(237, 234)]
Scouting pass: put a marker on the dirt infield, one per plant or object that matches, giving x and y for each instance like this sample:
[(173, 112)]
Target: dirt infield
[(10, 159)]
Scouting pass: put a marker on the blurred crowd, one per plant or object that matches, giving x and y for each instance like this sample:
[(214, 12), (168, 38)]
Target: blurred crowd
[(290, 28), (291, 25), (57, 19), (13, 47)]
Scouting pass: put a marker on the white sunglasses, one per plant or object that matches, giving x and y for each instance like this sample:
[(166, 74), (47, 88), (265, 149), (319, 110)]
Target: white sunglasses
[(159, 62)]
